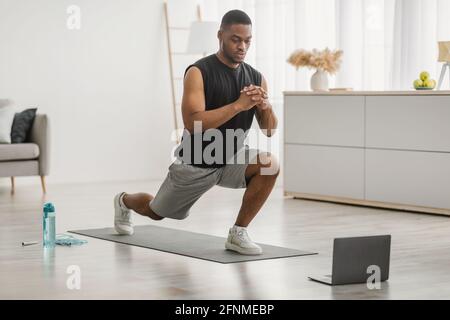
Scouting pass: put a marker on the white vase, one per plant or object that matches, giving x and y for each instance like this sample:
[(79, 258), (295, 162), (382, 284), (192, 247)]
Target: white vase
[(319, 81)]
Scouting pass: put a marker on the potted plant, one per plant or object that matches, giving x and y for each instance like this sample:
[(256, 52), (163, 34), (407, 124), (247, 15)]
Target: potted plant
[(325, 61)]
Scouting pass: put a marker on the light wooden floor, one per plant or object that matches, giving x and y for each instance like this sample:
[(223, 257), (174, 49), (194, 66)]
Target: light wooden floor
[(420, 257)]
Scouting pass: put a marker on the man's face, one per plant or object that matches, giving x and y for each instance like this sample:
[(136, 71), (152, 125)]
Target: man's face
[(235, 41)]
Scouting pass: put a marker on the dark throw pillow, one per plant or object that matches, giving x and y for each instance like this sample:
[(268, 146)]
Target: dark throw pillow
[(23, 121)]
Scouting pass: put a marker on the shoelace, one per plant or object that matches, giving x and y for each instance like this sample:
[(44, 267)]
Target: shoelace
[(243, 235), (126, 213)]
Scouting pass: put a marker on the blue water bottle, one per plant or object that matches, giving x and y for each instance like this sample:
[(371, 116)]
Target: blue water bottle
[(49, 225)]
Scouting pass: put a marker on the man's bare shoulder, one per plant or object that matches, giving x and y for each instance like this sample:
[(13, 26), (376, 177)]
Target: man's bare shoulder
[(193, 78), (193, 71)]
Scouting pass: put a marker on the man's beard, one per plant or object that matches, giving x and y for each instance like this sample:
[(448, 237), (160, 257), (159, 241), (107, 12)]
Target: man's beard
[(230, 57)]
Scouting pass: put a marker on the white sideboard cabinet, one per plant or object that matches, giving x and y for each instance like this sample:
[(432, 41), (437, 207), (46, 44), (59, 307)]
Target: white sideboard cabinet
[(386, 149)]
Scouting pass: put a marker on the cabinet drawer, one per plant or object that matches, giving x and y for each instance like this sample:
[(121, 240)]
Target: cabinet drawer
[(336, 121), (331, 171), (408, 122), (408, 177)]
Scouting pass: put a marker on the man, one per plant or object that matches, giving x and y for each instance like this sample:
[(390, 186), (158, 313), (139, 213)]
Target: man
[(222, 94)]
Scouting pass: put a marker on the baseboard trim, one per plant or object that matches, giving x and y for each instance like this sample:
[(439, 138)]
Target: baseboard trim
[(367, 203)]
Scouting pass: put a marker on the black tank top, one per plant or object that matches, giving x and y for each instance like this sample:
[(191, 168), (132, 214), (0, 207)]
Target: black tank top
[(222, 86)]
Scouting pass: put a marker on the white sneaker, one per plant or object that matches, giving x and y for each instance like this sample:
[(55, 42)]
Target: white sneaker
[(122, 217), (239, 241)]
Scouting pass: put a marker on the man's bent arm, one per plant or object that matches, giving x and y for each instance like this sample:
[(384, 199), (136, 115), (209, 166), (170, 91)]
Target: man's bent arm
[(194, 105), (267, 119)]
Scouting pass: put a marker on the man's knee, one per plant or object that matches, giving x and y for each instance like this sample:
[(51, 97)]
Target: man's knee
[(154, 216), (171, 215), (268, 165)]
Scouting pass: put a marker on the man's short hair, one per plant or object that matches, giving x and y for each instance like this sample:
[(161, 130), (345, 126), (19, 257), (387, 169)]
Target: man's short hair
[(235, 17)]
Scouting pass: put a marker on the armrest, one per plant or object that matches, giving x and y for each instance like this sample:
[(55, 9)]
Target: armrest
[(40, 134)]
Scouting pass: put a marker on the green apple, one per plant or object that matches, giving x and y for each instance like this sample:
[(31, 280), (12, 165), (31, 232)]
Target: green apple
[(418, 83), (424, 76), (429, 83)]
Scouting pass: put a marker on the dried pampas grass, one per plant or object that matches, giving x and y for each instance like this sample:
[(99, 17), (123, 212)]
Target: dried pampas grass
[(325, 60)]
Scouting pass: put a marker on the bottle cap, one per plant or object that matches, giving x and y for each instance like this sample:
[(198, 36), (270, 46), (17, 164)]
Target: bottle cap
[(48, 207)]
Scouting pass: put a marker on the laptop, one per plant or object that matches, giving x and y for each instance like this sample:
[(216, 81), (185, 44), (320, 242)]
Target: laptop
[(352, 258)]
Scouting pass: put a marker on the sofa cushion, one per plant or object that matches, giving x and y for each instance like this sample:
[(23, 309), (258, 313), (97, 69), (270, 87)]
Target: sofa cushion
[(6, 121), (21, 151), (5, 103), (23, 121)]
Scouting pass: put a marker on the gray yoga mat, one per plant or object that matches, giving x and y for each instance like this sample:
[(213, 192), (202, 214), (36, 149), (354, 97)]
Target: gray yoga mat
[(191, 244)]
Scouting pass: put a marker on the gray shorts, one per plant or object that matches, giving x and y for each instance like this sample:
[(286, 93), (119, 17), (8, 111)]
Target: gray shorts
[(185, 184)]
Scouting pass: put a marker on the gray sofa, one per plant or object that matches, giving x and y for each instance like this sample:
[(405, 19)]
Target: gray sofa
[(28, 159)]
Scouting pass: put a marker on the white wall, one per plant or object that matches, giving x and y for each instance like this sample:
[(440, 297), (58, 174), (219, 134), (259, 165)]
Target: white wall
[(106, 87)]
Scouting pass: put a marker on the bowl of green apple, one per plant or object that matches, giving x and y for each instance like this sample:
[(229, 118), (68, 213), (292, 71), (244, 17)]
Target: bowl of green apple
[(424, 82)]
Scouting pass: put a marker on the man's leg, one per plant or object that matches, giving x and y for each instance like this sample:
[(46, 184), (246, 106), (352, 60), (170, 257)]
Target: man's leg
[(139, 202), (182, 187), (261, 178)]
